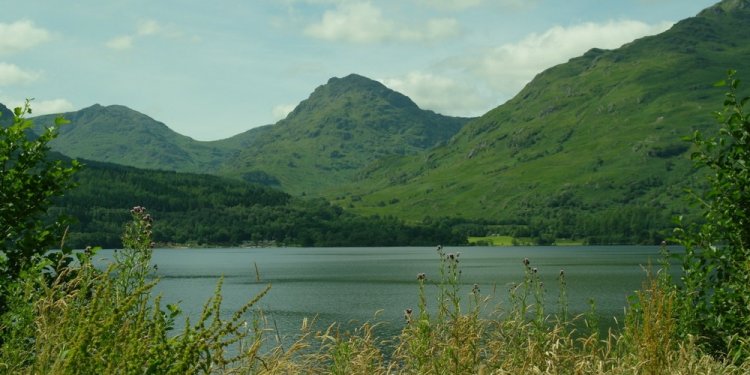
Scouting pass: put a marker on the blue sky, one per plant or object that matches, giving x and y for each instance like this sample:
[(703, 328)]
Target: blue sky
[(213, 69)]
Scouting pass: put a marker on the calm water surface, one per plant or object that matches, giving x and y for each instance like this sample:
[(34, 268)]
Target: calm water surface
[(349, 285)]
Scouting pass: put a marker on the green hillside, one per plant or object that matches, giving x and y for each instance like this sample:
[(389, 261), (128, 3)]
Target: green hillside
[(6, 115), (343, 126), (118, 134), (588, 149)]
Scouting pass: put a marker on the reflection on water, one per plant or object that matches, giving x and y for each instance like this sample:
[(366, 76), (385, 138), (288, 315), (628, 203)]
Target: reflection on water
[(351, 285)]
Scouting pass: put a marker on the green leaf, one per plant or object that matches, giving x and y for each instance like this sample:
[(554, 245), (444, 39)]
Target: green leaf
[(61, 121)]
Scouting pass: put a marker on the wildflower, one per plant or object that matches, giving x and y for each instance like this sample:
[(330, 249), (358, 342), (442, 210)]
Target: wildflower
[(407, 315), (475, 289), (534, 270), (562, 273), (526, 262), (421, 276)]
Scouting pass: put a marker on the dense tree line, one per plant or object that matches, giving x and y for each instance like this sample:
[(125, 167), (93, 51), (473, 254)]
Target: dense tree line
[(206, 210), (193, 209), (617, 225)]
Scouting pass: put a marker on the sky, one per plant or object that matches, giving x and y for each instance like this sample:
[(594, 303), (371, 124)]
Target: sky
[(213, 69)]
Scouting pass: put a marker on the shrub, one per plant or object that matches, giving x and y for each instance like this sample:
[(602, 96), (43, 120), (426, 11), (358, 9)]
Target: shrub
[(30, 179), (716, 267), (101, 322)]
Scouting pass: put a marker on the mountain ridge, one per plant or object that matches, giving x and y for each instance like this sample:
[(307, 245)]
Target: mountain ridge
[(367, 116), (116, 133), (342, 126), (584, 143)]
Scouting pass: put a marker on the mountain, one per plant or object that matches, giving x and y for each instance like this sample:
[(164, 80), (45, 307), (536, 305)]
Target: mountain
[(121, 135), (589, 146), (344, 125), (6, 115)]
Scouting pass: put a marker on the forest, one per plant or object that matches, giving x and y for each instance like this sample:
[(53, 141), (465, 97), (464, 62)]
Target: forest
[(202, 210)]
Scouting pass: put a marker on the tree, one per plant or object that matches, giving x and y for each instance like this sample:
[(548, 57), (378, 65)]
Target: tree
[(716, 265), (29, 180)]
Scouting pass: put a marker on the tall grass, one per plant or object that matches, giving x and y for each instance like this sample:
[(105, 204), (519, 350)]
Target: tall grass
[(92, 321), (461, 332), (88, 321)]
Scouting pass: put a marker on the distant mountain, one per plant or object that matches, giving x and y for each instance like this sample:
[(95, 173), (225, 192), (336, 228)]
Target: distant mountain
[(121, 135), (6, 115), (589, 146), (344, 125)]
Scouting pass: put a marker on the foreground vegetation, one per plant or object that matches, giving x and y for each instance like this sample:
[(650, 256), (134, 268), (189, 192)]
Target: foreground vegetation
[(94, 321), (60, 314)]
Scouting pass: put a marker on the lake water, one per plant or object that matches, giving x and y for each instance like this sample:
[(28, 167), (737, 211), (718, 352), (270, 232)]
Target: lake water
[(349, 285)]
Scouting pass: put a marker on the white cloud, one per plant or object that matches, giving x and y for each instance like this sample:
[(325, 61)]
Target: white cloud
[(12, 75), (440, 93), (281, 111), (40, 107), (458, 5), (144, 29), (510, 66), (120, 43), (361, 22), (148, 27), (518, 4), (436, 28), (451, 4), (21, 35), (45, 107), (472, 85)]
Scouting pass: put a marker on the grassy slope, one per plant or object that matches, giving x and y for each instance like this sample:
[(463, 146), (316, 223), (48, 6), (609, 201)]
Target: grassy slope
[(344, 125), (597, 133), (120, 135)]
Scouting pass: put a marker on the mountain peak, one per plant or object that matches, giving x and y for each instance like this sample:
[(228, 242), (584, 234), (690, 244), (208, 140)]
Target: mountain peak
[(726, 7), (356, 82), (109, 108), (354, 88)]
